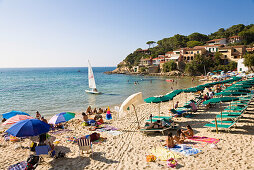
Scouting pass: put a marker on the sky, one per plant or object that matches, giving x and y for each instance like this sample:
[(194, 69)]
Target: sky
[(67, 33)]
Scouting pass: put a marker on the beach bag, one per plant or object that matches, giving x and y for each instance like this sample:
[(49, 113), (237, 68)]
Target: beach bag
[(32, 162), (150, 158), (32, 146), (14, 139), (171, 163)]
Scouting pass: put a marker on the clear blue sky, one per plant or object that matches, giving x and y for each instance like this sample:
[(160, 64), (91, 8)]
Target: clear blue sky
[(48, 33)]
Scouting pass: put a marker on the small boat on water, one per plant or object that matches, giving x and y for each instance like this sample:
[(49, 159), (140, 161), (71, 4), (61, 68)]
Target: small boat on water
[(91, 81)]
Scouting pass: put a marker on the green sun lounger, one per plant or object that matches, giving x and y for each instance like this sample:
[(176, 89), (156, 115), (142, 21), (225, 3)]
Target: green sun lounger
[(223, 122), (222, 126), (163, 117), (232, 113), (227, 116)]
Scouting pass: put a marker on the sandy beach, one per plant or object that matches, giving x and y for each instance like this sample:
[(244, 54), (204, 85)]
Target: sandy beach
[(129, 149)]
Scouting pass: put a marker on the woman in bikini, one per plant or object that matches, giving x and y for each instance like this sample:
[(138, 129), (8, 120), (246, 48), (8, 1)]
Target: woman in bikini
[(189, 132), (179, 137)]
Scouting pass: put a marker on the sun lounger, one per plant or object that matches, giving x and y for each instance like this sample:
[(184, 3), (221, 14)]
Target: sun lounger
[(233, 117), (155, 130), (232, 113), (224, 121), (219, 125)]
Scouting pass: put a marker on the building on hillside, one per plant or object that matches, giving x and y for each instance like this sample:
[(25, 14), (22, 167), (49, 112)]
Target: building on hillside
[(221, 41), (240, 66), (144, 51), (157, 61), (250, 49), (232, 53), (210, 48), (188, 54), (172, 55), (234, 39), (146, 61)]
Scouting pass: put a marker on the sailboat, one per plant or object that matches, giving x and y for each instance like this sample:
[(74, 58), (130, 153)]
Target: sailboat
[(91, 81)]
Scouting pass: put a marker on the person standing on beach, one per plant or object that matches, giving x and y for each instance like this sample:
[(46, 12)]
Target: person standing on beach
[(38, 115), (176, 105)]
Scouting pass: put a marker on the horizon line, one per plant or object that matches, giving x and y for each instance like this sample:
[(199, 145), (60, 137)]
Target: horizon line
[(57, 67)]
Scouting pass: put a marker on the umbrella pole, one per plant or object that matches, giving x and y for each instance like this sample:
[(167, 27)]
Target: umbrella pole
[(216, 125), (136, 115), (220, 113)]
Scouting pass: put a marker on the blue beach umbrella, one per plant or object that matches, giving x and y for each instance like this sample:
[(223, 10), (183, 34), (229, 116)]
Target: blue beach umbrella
[(28, 127), (61, 117), (13, 113)]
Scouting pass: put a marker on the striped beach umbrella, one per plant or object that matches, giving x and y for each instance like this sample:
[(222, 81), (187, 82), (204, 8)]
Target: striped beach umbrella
[(16, 119), (61, 117)]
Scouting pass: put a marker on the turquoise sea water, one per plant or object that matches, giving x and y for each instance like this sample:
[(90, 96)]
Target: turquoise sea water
[(55, 90)]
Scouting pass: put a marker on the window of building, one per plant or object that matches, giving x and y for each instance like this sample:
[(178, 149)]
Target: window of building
[(213, 49), (188, 58), (184, 58), (186, 52), (235, 56), (241, 69), (191, 58), (225, 56), (198, 52), (192, 52), (234, 50)]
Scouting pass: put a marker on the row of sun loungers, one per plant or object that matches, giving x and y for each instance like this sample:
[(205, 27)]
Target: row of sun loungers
[(231, 114)]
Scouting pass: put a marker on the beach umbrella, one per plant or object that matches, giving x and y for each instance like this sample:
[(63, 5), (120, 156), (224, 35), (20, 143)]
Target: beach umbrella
[(28, 127), (13, 113), (233, 93), (16, 119), (220, 99), (61, 117)]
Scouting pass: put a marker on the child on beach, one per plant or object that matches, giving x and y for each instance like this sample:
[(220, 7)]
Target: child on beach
[(89, 110), (85, 117), (189, 132), (44, 120)]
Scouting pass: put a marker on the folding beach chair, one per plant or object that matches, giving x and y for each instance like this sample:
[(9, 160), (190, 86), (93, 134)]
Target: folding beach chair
[(42, 150), (85, 144)]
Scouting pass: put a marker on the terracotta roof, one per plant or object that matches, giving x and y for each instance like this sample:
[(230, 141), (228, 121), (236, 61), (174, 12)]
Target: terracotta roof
[(216, 39), (169, 52), (236, 36), (193, 49), (218, 45)]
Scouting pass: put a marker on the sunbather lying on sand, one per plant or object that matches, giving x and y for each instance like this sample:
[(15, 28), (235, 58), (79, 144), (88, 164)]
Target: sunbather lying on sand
[(179, 137), (170, 141), (189, 132), (155, 125)]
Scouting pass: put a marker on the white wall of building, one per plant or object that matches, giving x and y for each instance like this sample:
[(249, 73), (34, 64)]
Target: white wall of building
[(240, 66)]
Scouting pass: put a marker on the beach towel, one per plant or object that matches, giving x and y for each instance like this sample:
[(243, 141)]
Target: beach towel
[(187, 151), (19, 166), (205, 139), (114, 133), (164, 154)]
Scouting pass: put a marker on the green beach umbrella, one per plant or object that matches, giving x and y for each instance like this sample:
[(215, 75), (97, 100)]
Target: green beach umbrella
[(226, 93), (220, 99)]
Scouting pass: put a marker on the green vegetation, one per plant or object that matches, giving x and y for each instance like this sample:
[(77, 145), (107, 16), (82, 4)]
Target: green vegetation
[(193, 43), (249, 60), (169, 66), (195, 39)]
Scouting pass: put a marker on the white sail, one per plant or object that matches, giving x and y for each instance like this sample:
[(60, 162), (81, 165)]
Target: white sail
[(91, 80)]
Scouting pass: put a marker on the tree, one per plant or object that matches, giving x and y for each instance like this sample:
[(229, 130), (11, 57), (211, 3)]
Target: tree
[(249, 60), (193, 43), (198, 37), (169, 66), (150, 43)]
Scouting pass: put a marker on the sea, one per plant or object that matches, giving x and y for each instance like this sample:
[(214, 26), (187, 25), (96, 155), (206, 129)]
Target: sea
[(55, 90)]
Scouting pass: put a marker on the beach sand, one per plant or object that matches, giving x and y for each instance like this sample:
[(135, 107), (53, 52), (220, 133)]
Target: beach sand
[(129, 149)]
